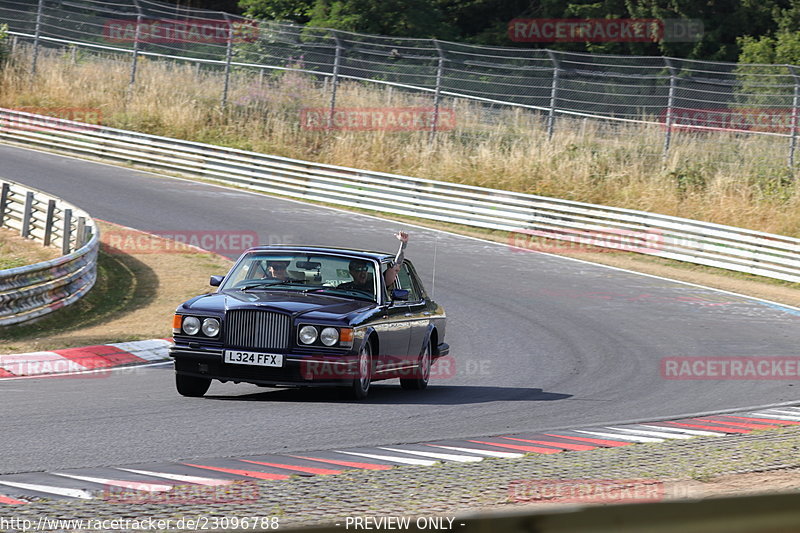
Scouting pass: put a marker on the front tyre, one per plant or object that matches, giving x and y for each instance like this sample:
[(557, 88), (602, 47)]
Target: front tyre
[(422, 372), (360, 387), (191, 386)]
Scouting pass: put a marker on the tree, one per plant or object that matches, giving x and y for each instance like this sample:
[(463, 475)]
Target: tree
[(298, 11), (396, 18)]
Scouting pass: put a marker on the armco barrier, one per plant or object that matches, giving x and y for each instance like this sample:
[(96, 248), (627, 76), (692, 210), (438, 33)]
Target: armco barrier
[(31, 291), (527, 216)]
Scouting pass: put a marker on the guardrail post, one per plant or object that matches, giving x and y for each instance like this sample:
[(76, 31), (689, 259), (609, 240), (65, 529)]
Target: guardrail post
[(795, 101), (437, 94), (4, 194), (673, 84), (48, 224), (335, 82), (136, 41), (36, 34), (551, 116), (80, 233), (27, 213), (66, 233), (228, 56)]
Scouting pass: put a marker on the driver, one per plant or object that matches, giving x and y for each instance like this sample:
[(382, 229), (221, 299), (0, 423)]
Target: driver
[(277, 270)]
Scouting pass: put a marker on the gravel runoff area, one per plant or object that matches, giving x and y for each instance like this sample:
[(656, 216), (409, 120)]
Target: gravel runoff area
[(669, 470)]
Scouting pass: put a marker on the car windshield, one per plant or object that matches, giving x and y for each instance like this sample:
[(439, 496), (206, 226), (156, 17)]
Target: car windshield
[(322, 273)]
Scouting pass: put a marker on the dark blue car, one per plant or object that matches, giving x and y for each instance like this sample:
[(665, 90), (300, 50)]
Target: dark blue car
[(308, 316)]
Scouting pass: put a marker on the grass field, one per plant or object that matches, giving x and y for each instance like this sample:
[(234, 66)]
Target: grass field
[(720, 177), (16, 251)]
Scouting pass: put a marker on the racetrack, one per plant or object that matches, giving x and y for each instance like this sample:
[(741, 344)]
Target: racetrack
[(539, 342)]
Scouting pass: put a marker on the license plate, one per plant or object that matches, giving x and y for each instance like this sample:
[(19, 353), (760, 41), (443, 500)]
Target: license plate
[(239, 357)]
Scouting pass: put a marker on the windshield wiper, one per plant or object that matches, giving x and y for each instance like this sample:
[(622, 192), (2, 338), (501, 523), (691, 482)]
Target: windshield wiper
[(342, 292), (265, 284)]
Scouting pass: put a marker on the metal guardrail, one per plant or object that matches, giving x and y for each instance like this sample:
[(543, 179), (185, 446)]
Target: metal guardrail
[(681, 95), (532, 220), (31, 291)]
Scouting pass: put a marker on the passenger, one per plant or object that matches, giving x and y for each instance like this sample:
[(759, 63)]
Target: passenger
[(391, 273)]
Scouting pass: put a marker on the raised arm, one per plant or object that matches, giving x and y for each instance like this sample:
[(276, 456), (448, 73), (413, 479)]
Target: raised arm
[(391, 273)]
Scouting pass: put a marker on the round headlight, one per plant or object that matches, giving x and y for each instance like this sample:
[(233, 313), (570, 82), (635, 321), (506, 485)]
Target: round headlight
[(191, 325), (329, 336), (308, 334), (210, 327)]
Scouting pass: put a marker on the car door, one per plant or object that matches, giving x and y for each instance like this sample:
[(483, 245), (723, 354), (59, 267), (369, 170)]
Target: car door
[(394, 332), (416, 311)]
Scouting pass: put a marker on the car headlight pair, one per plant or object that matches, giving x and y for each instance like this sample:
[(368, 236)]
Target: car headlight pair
[(329, 336), (192, 325)]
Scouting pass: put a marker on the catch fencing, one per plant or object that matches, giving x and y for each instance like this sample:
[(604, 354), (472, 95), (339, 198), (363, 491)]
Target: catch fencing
[(529, 219), (679, 95), (31, 291)]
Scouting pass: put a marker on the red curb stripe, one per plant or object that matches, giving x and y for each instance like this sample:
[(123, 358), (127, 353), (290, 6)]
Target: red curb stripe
[(768, 420), (602, 442), (515, 447), (364, 466), (577, 447), (306, 469), (718, 429), (739, 424), (11, 501), (246, 473), (100, 356)]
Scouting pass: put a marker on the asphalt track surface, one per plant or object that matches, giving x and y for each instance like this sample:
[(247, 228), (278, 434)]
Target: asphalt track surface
[(540, 342)]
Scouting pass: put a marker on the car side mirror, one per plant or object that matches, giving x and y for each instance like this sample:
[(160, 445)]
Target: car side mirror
[(216, 281), (400, 294)]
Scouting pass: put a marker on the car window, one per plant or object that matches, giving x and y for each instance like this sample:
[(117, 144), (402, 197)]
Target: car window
[(404, 280), (303, 271)]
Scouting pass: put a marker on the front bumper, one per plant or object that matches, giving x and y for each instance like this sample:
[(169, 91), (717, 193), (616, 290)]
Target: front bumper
[(296, 370)]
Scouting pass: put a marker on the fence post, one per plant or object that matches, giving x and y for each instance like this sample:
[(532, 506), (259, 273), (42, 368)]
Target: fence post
[(335, 82), (437, 95), (551, 116), (673, 83), (228, 56), (80, 233), (136, 41), (27, 213), (795, 101), (36, 34), (48, 224), (66, 233), (4, 194)]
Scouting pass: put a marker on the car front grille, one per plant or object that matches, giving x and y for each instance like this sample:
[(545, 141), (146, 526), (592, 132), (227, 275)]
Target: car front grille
[(257, 329)]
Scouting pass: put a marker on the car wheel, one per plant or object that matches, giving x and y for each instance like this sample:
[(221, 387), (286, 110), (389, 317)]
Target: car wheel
[(423, 371), (191, 386), (361, 383)]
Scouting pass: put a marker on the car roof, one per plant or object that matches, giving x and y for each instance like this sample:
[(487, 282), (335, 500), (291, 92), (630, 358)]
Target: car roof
[(366, 254)]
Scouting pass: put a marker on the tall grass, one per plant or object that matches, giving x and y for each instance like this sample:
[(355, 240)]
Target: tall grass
[(727, 178)]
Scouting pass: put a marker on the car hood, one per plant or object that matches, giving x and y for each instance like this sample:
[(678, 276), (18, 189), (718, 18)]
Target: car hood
[(316, 305)]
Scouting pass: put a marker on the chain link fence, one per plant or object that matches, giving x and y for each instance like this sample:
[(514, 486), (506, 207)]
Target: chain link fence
[(676, 102)]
